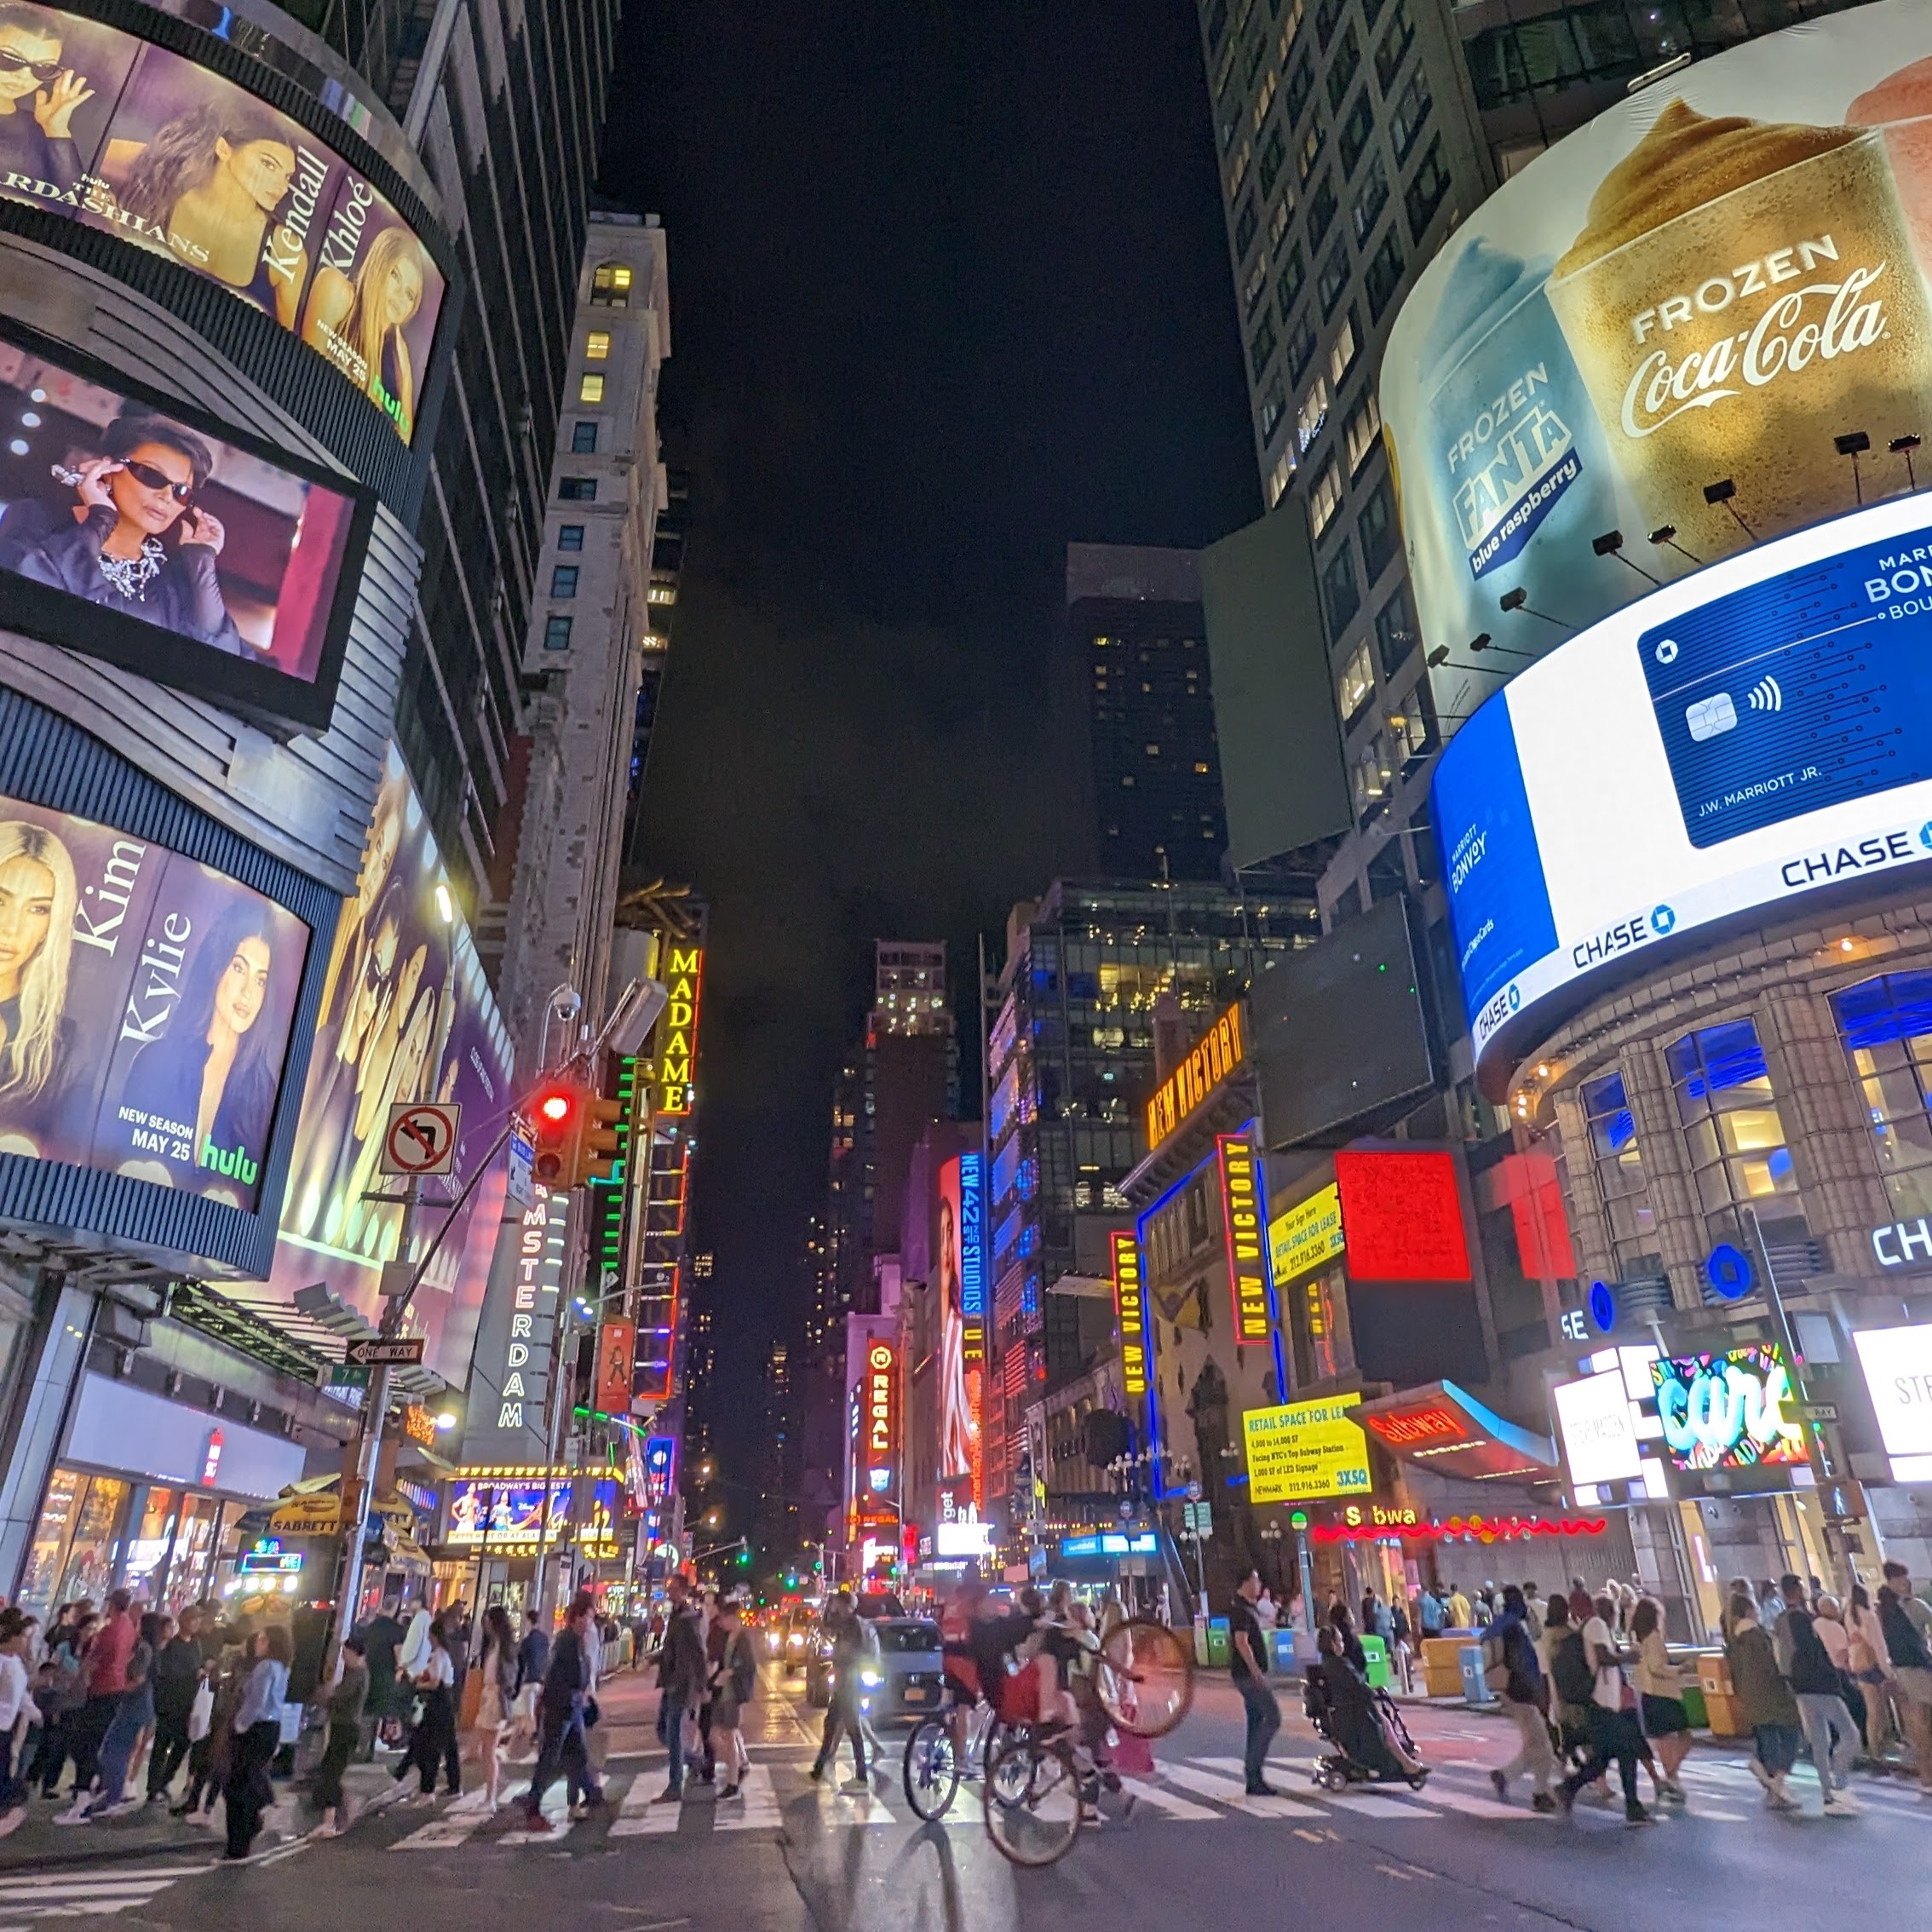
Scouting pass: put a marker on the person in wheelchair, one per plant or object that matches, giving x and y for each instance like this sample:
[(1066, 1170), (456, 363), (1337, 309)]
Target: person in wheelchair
[(1355, 1720)]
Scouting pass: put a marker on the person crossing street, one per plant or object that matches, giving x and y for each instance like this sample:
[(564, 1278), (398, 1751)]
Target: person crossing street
[(1247, 1664)]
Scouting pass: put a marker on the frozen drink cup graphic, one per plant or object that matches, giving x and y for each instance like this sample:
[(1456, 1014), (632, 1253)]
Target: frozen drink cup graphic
[(1512, 444), (1743, 293)]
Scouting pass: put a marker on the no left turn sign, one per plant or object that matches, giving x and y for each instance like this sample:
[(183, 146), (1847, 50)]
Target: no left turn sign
[(421, 1138)]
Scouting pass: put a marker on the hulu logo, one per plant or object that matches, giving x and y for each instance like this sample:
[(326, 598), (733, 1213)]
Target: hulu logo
[(232, 1163)]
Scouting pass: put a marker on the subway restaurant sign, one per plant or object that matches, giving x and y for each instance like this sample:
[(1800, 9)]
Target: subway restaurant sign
[(1298, 1451), (1307, 1234), (1208, 1062), (677, 1031)]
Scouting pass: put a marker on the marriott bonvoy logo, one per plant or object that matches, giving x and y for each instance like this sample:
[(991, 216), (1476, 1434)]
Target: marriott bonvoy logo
[(1832, 313)]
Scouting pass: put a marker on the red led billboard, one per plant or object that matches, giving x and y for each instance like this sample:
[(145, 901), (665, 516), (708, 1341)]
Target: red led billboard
[(1402, 1214)]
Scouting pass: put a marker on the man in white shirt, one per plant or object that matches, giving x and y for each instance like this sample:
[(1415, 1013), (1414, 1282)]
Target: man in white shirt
[(1613, 1739)]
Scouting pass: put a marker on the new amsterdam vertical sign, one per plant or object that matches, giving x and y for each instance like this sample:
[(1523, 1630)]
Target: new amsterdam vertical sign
[(1247, 1240)]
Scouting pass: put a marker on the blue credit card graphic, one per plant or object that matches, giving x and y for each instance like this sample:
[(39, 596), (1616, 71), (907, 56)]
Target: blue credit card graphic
[(1808, 688)]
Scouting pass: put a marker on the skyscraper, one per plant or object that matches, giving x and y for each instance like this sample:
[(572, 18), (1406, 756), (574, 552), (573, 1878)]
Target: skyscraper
[(1134, 619)]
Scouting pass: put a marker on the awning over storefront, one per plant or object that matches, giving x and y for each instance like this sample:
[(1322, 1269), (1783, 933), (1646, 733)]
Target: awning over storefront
[(1445, 1428)]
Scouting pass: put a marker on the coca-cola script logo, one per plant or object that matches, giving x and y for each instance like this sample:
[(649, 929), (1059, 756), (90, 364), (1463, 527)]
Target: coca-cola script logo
[(1818, 322)]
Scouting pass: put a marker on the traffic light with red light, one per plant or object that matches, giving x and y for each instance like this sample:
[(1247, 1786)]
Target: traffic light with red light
[(557, 1115)]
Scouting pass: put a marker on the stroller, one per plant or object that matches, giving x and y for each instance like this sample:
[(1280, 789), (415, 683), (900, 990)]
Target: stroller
[(1342, 1768)]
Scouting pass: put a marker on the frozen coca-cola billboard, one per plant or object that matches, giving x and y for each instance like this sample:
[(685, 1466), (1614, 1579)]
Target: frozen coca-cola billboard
[(1685, 325)]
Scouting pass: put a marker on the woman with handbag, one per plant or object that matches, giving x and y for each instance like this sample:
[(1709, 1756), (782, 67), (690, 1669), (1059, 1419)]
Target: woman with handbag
[(1660, 1697), (434, 1740), (495, 1679), (255, 1736)]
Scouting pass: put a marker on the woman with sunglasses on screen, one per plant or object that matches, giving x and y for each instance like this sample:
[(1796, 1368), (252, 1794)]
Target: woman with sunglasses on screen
[(38, 94), (136, 492)]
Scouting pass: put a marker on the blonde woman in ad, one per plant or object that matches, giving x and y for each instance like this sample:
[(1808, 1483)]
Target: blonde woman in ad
[(39, 896), (359, 325)]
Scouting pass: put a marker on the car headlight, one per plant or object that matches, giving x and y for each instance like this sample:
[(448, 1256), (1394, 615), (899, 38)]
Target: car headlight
[(870, 1676), (795, 1641)]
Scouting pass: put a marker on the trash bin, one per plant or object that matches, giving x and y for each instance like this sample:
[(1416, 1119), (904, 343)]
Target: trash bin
[(1285, 1650), (1217, 1642), (1376, 1649), (1476, 1690)]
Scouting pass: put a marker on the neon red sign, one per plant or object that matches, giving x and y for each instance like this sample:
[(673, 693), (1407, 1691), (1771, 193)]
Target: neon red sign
[(1402, 1214)]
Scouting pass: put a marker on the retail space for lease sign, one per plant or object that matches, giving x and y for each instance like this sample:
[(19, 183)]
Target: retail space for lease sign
[(1710, 284), (1301, 1452)]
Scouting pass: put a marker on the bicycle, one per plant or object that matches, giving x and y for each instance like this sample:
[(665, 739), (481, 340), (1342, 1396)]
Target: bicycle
[(1035, 1788), (933, 1766)]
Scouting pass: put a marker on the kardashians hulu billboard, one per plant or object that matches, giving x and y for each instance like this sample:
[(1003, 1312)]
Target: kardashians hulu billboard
[(145, 1004), (136, 534), (107, 130)]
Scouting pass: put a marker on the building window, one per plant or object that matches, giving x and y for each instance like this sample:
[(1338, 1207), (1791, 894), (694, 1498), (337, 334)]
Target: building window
[(597, 346), (1327, 14), (1262, 346), (1288, 282), (1332, 283), (556, 634), (1255, 287), (1371, 198), (1412, 730), (1301, 85), (1278, 478), (1381, 534), (1361, 430), (1424, 193), (1733, 1132), (1395, 630), (590, 388), (1355, 133), (1325, 494), (1393, 46), (1277, 219), (1341, 595), (1343, 68), (1273, 152), (570, 537), (1382, 274), (1302, 344), (1618, 1162), (1265, 99), (1886, 1024), (1290, 26), (1310, 153), (1275, 407), (610, 286), (1237, 174), (1323, 205), (577, 489), (1246, 223), (1356, 685), (1370, 777), (584, 439), (1410, 115), (1217, 25), (563, 580), (1312, 413), (1347, 347)]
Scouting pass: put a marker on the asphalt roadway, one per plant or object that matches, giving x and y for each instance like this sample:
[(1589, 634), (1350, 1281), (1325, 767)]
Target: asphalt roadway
[(793, 1856)]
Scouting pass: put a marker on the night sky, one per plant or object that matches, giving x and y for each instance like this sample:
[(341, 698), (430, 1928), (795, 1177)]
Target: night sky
[(948, 288)]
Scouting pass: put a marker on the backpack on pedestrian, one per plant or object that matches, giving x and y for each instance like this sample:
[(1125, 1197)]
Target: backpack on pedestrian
[(1571, 1672)]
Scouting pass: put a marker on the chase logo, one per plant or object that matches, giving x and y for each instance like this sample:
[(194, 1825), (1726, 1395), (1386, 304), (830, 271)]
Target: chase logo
[(1662, 919), (1515, 997), (1925, 836)]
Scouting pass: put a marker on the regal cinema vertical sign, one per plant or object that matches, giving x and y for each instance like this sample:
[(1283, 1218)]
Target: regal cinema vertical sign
[(677, 1038), (878, 1418), (1130, 1310), (1247, 1238)]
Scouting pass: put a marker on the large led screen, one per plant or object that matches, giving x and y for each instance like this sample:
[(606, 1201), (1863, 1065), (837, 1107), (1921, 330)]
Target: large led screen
[(104, 129), (1711, 282), (1726, 1411), (145, 1001), (406, 1016), (136, 536), (1751, 734)]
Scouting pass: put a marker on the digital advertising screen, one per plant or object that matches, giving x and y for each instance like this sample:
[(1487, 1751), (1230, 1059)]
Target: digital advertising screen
[(1708, 283), (406, 1015), (146, 1003), (132, 533), (1734, 742), (1726, 1411), (1596, 1421), (958, 1381), (103, 129)]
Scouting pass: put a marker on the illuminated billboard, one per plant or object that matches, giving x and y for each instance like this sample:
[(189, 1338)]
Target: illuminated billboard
[(137, 533), (1247, 1240), (1402, 1212), (104, 129), (677, 1030), (1732, 743), (961, 1345), (1707, 284), (406, 1015), (1217, 1053), (1297, 1452), (1307, 1234), (1131, 1311), (1597, 1422), (878, 1418), (1726, 1411), (146, 1003)]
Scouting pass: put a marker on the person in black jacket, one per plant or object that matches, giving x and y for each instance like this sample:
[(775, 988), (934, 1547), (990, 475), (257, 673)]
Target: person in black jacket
[(561, 1744), (681, 1669), (177, 1677)]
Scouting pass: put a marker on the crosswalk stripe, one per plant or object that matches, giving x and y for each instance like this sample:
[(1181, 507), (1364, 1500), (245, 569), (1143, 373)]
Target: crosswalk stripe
[(41, 1882), (756, 1807), (132, 1890), (639, 1816), (1207, 1784), (866, 1808), (1164, 1801), (456, 1825), (1469, 1805)]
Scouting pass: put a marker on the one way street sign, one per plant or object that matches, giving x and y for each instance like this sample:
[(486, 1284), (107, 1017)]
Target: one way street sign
[(400, 1349)]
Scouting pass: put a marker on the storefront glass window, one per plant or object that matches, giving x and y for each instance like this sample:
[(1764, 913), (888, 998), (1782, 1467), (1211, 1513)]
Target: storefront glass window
[(49, 1553), (1886, 1024), (1732, 1128), (95, 1545), (194, 1548), (1618, 1164), (147, 1545)]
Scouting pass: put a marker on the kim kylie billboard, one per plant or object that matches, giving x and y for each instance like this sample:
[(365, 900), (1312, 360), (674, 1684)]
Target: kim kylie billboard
[(102, 128), (1708, 283)]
